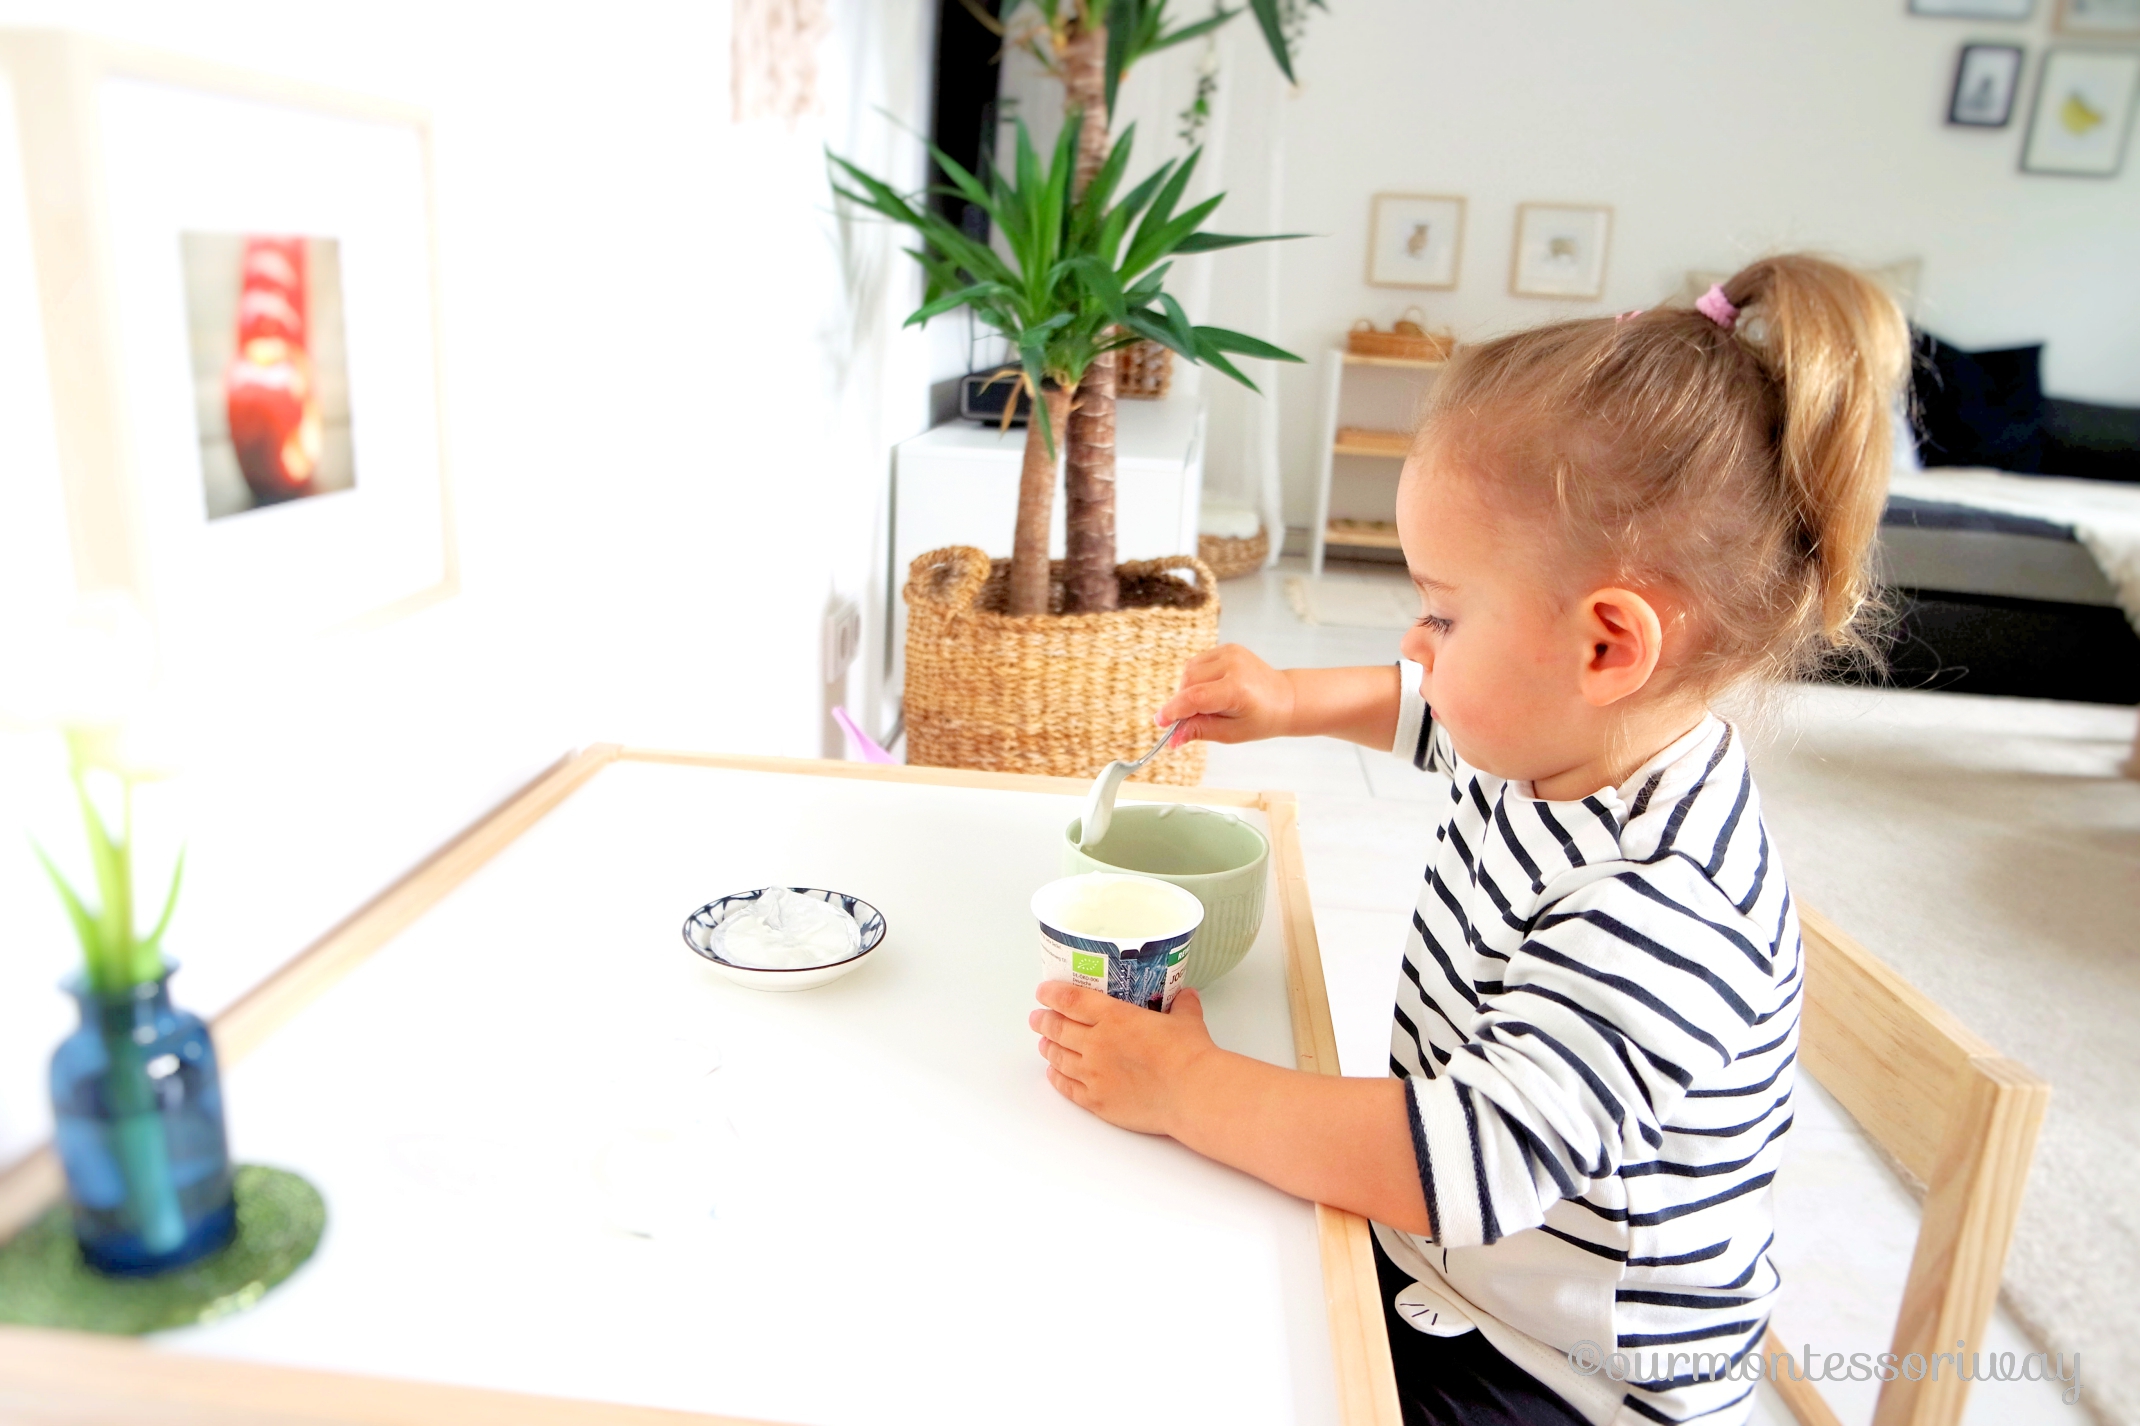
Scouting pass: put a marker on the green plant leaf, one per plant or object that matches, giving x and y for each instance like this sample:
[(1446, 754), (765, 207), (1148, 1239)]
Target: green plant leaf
[(109, 861), (148, 954), (1178, 321), (86, 928), (1211, 357), (1152, 330), (1215, 242), (1268, 21), (951, 301), (1122, 21), (1188, 32), (1220, 339)]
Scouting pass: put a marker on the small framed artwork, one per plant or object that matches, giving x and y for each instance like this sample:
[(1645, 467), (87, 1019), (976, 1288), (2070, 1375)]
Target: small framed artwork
[(2100, 19), (1974, 9), (2083, 112), (1985, 78), (250, 429), (1415, 240), (1560, 250)]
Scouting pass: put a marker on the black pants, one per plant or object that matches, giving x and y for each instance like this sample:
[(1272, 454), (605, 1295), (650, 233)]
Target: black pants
[(1461, 1381)]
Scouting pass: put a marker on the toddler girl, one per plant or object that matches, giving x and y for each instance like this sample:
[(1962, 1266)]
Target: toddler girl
[(1610, 522)]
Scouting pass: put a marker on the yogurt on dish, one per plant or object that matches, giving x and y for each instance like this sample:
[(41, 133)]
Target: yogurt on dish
[(786, 930)]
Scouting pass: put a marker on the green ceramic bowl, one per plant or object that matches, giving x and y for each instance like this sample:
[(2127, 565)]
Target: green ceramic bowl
[(1215, 856)]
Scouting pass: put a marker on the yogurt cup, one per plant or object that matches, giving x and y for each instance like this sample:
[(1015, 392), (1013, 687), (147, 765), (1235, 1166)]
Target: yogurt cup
[(1130, 946)]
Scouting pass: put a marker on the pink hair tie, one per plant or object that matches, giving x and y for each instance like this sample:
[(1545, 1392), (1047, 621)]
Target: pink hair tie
[(1714, 305), (1628, 316)]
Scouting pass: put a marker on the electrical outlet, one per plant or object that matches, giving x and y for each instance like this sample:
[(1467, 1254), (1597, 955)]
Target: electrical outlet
[(843, 638)]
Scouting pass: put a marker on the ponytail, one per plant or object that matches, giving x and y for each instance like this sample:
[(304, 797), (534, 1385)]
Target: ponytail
[(1737, 452), (1838, 348)]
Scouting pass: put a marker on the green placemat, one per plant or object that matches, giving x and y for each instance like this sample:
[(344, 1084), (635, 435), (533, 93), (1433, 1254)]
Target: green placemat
[(45, 1283)]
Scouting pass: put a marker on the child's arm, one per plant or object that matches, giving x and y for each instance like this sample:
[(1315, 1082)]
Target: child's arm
[(1344, 1142), (1229, 695)]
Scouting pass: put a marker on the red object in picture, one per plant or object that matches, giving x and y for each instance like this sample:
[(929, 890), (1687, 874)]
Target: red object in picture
[(269, 391)]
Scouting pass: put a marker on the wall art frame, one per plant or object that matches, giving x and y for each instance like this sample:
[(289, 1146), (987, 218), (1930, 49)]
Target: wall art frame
[(136, 163), (1415, 240), (1560, 251), (1987, 78), (2099, 19), (1973, 9), (2082, 115)]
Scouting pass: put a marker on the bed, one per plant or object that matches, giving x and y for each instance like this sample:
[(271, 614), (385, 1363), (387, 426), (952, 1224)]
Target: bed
[(2012, 549)]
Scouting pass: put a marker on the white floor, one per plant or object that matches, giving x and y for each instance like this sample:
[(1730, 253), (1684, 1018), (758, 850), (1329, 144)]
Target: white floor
[(1845, 1225)]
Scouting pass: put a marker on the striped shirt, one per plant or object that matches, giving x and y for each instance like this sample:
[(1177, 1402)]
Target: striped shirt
[(1597, 1024)]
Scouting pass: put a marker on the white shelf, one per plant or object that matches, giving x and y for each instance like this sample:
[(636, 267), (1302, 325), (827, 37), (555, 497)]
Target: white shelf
[(1366, 435)]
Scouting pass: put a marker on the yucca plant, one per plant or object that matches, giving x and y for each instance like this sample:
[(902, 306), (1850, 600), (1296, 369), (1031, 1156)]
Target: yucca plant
[(1082, 276), (1090, 45), (115, 956)]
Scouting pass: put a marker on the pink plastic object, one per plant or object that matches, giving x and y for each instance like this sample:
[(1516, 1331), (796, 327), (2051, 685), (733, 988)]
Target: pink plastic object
[(871, 753)]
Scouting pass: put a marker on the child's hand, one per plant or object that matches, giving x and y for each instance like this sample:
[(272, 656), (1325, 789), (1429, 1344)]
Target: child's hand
[(1129, 1065), (1228, 695)]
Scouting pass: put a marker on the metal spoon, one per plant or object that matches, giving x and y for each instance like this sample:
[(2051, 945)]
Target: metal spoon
[(1100, 803)]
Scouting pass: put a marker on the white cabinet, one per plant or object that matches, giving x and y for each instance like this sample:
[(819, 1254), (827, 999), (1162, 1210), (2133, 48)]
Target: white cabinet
[(957, 484)]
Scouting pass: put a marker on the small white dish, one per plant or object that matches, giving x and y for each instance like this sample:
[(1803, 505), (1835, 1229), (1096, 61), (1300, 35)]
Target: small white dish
[(698, 935)]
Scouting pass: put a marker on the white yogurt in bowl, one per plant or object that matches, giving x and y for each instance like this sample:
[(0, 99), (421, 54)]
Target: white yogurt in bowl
[(785, 937)]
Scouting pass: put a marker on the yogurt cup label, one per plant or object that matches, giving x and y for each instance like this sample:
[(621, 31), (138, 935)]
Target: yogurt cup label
[(1144, 972)]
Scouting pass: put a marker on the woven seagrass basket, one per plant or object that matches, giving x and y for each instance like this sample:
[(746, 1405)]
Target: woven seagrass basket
[(1231, 558), (1406, 341), (1143, 371), (1059, 694)]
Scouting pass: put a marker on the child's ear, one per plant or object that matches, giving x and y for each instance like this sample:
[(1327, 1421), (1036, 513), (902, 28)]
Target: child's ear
[(1624, 639)]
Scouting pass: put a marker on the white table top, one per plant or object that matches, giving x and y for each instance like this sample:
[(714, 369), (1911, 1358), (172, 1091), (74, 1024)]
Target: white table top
[(874, 1209)]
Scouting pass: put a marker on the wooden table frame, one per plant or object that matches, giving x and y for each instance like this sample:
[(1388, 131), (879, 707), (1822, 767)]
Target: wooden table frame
[(50, 1378)]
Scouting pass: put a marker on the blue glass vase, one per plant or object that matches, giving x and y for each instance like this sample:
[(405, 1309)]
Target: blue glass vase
[(137, 1108)]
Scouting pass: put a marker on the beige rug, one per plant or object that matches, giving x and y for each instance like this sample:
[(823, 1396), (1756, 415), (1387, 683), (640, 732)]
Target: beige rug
[(1988, 849), (1353, 601)]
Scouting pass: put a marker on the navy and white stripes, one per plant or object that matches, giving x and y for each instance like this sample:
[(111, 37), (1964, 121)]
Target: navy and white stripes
[(1597, 1023)]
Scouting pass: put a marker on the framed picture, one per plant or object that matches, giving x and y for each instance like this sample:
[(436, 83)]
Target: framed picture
[(2107, 19), (1415, 240), (1974, 9), (1985, 78), (235, 280), (2083, 112), (1560, 250)]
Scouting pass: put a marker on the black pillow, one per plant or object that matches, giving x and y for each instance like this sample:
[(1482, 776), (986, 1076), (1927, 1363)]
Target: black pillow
[(1978, 408)]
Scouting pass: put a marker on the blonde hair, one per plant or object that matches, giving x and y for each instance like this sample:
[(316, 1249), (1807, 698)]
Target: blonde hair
[(1744, 467)]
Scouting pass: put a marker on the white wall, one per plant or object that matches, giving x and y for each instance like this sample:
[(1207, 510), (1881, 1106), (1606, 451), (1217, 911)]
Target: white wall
[(1717, 131), (672, 377)]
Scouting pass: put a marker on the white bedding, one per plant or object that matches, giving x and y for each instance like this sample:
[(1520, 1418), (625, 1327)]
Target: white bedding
[(2104, 515)]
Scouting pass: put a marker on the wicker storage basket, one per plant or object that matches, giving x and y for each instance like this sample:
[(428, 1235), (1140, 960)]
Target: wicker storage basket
[(1143, 371), (1415, 345), (1232, 558), (1060, 694)]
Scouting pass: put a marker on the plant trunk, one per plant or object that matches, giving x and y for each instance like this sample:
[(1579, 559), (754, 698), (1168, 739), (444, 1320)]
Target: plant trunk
[(1036, 498), (1089, 472), (1084, 67), (1089, 492)]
